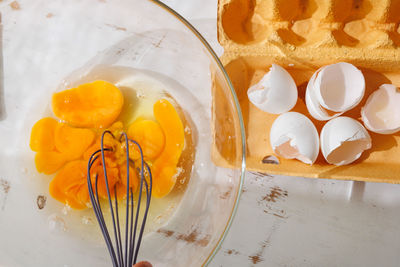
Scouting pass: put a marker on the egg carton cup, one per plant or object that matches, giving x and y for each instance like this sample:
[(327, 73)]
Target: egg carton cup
[(302, 36)]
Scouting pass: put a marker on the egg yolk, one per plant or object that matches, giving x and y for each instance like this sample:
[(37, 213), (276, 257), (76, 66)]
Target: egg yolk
[(65, 147)]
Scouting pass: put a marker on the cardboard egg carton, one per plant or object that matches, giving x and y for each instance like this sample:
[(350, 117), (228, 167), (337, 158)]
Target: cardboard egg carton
[(362, 32), (301, 36)]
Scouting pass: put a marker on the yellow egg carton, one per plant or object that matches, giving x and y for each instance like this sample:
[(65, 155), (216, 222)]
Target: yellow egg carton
[(362, 32), (302, 36)]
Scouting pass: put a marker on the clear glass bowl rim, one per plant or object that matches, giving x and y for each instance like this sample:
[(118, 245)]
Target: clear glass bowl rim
[(238, 113)]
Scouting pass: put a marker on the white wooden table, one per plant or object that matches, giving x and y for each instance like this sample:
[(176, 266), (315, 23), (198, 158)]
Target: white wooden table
[(292, 221)]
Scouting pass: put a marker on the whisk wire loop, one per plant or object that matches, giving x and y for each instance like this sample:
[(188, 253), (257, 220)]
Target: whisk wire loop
[(97, 208), (121, 256)]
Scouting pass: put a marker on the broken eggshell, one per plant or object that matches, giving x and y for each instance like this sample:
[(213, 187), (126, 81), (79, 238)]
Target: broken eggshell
[(333, 90), (343, 140), (313, 106), (275, 93), (339, 87), (294, 136), (381, 113)]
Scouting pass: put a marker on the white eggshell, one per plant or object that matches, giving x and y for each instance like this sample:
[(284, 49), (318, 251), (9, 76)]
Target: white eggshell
[(293, 135), (343, 140), (339, 87), (313, 106), (275, 93), (381, 113)]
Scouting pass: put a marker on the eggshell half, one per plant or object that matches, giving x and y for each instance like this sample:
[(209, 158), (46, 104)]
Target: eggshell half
[(381, 113), (339, 87), (333, 90), (343, 140), (294, 136), (275, 93)]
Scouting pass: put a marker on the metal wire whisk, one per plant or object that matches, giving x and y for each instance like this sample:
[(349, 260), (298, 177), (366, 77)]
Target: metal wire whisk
[(127, 256)]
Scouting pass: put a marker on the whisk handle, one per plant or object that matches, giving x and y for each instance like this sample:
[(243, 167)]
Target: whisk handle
[(143, 264)]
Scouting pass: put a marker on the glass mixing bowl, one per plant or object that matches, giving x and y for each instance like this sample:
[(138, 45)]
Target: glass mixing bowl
[(51, 45)]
